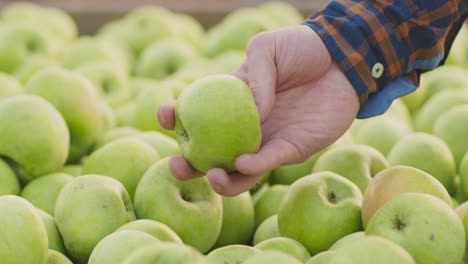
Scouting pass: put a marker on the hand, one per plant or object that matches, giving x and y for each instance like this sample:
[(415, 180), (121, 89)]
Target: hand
[(304, 100)]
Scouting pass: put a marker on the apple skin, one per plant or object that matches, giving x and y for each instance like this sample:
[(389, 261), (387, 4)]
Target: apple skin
[(167, 253), (463, 172), (370, 250), (117, 246), (55, 257), (161, 197), (232, 254), (427, 153), (325, 257), (284, 14), (53, 235), (349, 239), (381, 133), (33, 65), (423, 225), (43, 191), (271, 257), (115, 134), (22, 232), (73, 170), (315, 206), (159, 230), (285, 245), (358, 163), (164, 58), (9, 86), (35, 154), (125, 160), (69, 92), (18, 43), (399, 111), (461, 211), (425, 118), (96, 197), (396, 180), (415, 100), (87, 50), (267, 204), (208, 114), (110, 81), (163, 144), (10, 183), (238, 220), (450, 128), (444, 78), (266, 230)]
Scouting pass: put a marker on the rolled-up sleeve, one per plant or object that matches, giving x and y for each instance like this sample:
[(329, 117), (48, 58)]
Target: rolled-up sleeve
[(384, 46)]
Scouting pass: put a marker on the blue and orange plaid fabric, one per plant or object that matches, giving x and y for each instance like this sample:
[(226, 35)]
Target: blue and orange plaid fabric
[(408, 37)]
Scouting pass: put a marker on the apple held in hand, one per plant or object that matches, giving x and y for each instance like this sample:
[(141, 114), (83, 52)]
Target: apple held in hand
[(423, 225), (319, 209), (161, 197), (216, 121), (23, 234), (89, 208)]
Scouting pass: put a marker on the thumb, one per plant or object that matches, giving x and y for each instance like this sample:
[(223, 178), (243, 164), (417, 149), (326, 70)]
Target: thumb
[(261, 72)]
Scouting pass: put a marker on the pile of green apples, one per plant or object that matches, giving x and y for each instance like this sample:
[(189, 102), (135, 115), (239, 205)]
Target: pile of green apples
[(84, 173)]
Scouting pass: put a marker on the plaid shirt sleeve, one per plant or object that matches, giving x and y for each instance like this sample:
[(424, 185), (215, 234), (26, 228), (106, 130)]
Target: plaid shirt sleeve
[(383, 46)]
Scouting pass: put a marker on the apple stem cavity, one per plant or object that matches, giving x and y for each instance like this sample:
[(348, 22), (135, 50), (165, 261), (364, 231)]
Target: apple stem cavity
[(398, 224), (331, 197)]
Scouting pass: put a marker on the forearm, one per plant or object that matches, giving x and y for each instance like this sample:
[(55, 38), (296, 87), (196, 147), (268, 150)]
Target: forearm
[(383, 46)]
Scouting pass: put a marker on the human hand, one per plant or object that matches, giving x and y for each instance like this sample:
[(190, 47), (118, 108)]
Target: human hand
[(304, 100)]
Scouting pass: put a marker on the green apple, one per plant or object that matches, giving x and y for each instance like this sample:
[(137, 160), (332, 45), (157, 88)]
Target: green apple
[(109, 79), (232, 254), (38, 153), (435, 106), (53, 235), (230, 60), (381, 133), (427, 153), (55, 257), (159, 230), (145, 105), (458, 55), (349, 239), (117, 246), (197, 69), (315, 206), (285, 245), (238, 220), (43, 191), (463, 172), (399, 111), (370, 250), (9, 183), (109, 120), (33, 65), (69, 92), (125, 160), (462, 213), (164, 145), (18, 43), (450, 128), (101, 199), (115, 134), (445, 77), (73, 170), (161, 197), (423, 225), (9, 86), (268, 203), (24, 236), (164, 58), (415, 100), (138, 84), (358, 163), (271, 257), (267, 229), (396, 180), (165, 253), (283, 13), (188, 29), (88, 50), (236, 30), (208, 114), (325, 257)]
